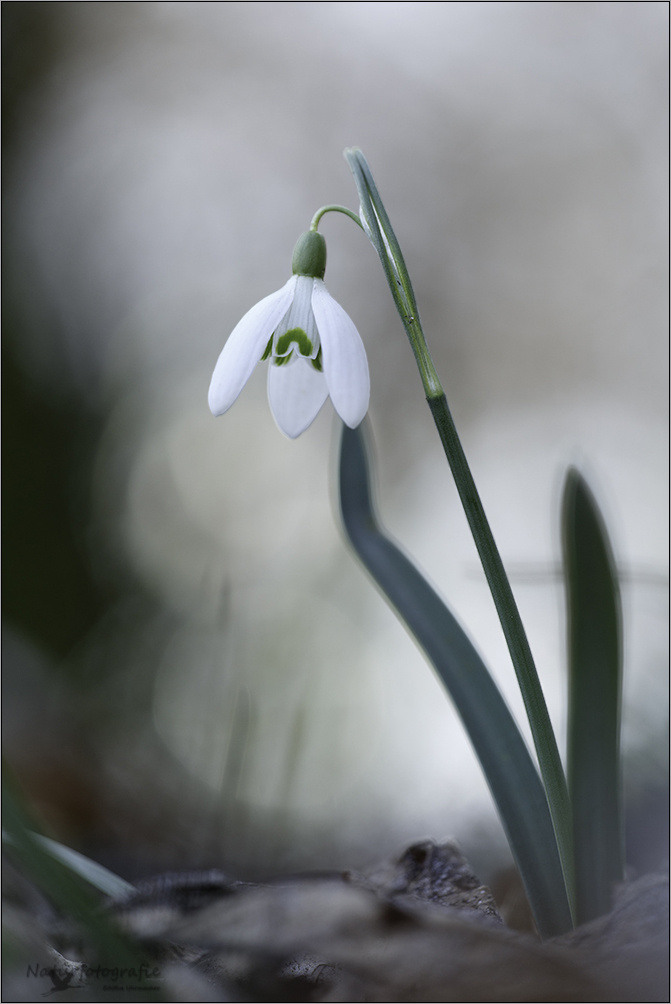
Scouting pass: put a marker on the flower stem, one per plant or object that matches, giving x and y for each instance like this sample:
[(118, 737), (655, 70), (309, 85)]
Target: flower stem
[(333, 209), (378, 227), (515, 635)]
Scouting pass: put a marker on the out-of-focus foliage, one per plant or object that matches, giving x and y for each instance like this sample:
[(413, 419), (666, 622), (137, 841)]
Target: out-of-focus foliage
[(49, 593)]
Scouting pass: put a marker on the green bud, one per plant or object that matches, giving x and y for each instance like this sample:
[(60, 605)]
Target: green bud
[(309, 255)]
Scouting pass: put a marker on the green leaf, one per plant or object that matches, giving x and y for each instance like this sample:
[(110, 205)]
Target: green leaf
[(510, 772), (595, 686), (64, 887), (96, 875)]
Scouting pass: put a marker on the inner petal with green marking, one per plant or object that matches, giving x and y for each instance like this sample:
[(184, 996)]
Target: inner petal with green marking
[(297, 337)]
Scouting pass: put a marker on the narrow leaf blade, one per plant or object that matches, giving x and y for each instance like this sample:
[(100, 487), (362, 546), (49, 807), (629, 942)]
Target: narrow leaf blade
[(510, 773), (595, 688), (65, 888)]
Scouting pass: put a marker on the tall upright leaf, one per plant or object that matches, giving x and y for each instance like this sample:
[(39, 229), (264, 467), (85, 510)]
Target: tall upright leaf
[(595, 685)]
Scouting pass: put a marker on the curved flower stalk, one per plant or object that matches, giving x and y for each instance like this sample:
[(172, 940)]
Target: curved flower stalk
[(376, 223), (313, 348)]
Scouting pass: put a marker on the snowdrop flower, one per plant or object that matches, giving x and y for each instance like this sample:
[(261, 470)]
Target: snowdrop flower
[(312, 346)]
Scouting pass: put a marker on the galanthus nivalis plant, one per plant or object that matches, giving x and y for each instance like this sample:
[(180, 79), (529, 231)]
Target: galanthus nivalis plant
[(314, 350), (565, 838), (565, 830)]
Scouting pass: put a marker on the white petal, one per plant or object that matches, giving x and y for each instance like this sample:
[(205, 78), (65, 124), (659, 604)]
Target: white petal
[(245, 347), (296, 392), (344, 357)]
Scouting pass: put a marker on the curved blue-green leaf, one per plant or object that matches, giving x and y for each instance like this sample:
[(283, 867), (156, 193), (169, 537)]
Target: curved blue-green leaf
[(510, 772), (595, 686)]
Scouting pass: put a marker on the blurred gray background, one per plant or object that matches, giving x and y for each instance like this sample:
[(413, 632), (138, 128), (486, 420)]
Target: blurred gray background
[(197, 671)]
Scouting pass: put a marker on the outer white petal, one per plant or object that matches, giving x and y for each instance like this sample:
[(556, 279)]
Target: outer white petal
[(296, 392), (344, 357), (245, 347)]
